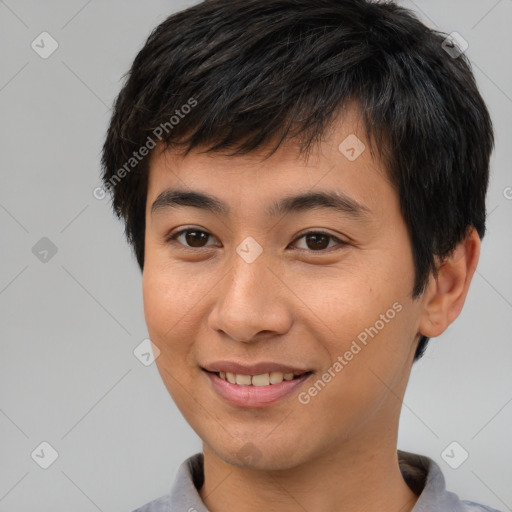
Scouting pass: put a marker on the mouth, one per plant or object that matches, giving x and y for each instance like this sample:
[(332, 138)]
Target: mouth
[(255, 391)]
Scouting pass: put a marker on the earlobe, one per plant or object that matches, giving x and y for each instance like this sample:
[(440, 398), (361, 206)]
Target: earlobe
[(446, 294)]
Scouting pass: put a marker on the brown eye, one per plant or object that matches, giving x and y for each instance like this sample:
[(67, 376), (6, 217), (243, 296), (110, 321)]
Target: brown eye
[(319, 241), (196, 238), (191, 238)]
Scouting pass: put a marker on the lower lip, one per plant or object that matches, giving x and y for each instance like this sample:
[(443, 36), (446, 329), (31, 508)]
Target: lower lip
[(254, 396)]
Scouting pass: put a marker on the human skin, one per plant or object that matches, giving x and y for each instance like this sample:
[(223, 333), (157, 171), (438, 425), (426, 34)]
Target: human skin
[(296, 306)]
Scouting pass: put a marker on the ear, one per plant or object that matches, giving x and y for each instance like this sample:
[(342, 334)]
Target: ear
[(445, 294)]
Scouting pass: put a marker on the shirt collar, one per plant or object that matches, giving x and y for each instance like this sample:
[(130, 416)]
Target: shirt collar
[(421, 474), (426, 479)]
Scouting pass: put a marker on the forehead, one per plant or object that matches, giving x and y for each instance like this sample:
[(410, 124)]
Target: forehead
[(341, 164)]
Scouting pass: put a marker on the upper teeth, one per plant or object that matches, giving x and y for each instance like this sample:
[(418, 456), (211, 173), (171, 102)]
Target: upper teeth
[(256, 380)]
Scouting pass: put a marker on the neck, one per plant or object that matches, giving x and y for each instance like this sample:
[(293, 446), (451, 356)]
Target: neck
[(336, 481)]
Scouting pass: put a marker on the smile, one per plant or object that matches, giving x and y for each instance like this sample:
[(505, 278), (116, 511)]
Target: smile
[(255, 390)]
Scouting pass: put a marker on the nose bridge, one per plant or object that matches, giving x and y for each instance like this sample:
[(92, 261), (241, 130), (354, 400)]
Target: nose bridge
[(248, 301)]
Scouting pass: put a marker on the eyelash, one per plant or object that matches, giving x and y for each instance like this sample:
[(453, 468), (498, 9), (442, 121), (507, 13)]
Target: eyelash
[(172, 238)]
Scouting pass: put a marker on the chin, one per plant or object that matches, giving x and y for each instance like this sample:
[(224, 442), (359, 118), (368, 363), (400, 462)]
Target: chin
[(262, 455)]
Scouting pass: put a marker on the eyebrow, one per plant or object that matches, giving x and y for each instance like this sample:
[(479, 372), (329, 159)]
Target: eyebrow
[(172, 198)]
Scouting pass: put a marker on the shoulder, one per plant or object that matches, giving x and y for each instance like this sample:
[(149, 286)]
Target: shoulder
[(158, 505), (426, 479), (471, 506), (183, 496)]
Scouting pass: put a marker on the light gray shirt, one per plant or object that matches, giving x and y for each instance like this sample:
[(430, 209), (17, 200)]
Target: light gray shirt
[(421, 473)]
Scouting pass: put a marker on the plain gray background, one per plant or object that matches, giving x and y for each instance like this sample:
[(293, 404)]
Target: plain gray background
[(70, 323)]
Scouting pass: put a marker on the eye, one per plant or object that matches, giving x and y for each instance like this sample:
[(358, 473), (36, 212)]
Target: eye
[(318, 241), (192, 238)]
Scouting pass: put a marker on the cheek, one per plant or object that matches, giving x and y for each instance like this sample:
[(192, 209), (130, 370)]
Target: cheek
[(173, 307), (164, 305), (157, 303), (167, 315), (369, 321), (164, 288), (344, 300)]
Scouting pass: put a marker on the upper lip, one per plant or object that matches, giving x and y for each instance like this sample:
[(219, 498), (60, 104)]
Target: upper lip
[(252, 369)]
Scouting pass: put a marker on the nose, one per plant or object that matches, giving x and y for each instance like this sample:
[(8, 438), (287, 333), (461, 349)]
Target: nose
[(251, 302)]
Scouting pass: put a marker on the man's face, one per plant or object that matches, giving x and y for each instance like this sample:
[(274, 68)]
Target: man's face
[(248, 287)]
